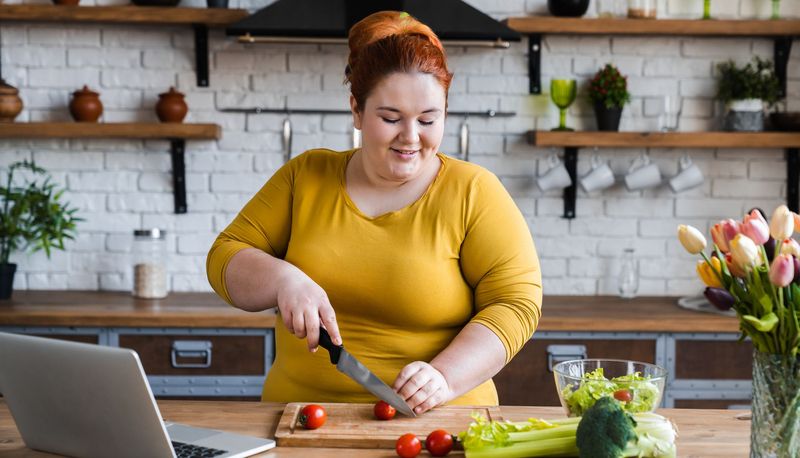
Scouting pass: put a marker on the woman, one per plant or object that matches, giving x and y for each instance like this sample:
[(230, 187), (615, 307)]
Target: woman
[(421, 264)]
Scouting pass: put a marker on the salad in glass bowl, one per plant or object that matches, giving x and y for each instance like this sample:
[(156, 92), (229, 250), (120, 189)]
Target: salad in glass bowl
[(638, 386)]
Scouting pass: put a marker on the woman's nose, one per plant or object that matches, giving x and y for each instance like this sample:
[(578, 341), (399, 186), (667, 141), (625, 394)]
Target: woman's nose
[(410, 133)]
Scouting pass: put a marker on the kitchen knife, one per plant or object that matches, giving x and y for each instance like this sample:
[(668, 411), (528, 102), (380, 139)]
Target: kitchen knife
[(349, 366)]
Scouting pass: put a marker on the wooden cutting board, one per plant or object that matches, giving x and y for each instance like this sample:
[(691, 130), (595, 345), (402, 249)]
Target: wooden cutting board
[(355, 425)]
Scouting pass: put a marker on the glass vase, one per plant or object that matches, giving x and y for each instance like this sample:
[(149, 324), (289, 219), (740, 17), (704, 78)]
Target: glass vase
[(775, 427)]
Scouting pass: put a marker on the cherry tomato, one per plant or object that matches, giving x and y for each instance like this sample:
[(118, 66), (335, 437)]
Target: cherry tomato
[(408, 446), (439, 443), (623, 395), (383, 411), (312, 416)]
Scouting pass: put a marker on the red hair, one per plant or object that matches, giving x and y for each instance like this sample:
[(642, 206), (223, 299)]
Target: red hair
[(389, 42)]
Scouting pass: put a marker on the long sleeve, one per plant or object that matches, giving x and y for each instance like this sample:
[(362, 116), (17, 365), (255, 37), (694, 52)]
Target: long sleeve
[(500, 263)]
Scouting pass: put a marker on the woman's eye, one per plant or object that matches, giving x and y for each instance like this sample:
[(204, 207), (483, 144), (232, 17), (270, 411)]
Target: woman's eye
[(426, 123), (390, 121)]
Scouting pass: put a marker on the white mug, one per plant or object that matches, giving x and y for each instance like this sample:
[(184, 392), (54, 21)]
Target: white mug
[(555, 177), (689, 176), (599, 177), (642, 174)]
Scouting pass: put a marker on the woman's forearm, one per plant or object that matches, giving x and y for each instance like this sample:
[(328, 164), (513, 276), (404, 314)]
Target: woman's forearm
[(252, 279), (474, 356)]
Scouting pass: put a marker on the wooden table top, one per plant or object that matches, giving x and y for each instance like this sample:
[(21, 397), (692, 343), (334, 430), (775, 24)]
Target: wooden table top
[(119, 309), (702, 433)]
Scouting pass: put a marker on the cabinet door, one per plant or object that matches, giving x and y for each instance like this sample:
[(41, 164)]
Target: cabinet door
[(528, 380), (229, 355), (83, 338), (713, 359), (710, 403)]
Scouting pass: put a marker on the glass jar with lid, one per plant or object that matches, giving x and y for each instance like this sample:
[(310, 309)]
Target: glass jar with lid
[(642, 9), (149, 252)]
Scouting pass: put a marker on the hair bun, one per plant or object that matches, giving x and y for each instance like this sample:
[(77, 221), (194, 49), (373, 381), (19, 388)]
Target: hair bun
[(382, 24)]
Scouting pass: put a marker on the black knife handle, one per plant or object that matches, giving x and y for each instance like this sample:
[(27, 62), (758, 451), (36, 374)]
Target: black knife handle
[(326, 343)]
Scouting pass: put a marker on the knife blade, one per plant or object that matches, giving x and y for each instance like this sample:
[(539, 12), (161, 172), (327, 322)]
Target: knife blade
[(351, 367)]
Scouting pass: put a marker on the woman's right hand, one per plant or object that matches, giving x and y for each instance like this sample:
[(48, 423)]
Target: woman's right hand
[(304, 305)]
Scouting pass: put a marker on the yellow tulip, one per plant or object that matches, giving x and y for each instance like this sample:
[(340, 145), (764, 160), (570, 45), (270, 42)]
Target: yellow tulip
[(710, 273), (781, 225), (691, 239), (746, 254)]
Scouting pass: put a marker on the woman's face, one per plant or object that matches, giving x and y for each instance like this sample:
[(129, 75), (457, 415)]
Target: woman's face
[(401, 125)]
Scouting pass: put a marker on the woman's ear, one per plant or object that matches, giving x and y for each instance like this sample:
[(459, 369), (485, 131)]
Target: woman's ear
[(356, 113)]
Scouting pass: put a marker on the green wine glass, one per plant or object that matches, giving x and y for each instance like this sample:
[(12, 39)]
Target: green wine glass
[(563, 92), (706, 9)]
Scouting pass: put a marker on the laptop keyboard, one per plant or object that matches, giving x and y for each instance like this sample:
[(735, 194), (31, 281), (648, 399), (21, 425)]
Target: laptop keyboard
[(195, 451)]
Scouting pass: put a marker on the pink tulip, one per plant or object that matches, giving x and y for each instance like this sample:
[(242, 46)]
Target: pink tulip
[(781, 272), (723, 232), (755, 227)]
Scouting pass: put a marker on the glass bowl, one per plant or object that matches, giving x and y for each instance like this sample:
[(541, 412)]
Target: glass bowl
[(580, 383)]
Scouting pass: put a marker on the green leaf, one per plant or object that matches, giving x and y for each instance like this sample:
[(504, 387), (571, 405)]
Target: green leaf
[(766, 324)]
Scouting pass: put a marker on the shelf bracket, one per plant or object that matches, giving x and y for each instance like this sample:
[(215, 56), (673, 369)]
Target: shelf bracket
[(793, 179), (570, 192), (177, 151), (201, 54), (535, 63), (783, 47)]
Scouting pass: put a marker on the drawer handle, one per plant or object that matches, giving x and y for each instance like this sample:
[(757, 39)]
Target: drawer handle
[(191, 349), (560, 353)]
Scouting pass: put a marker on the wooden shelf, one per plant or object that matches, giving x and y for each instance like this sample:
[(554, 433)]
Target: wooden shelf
[(624, 26), (211, 17), (666, 140), (171, 131)]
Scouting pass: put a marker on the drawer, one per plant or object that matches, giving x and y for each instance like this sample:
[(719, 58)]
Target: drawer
[(710, 403), (83, 338), (198, 354), (713, 359), (528, 380)]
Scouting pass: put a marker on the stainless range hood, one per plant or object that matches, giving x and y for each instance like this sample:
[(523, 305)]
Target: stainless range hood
[(328, 21)]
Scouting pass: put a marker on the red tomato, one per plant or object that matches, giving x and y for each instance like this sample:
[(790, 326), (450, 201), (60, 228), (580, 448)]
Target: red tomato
[(312, 416), (383, 411), (439, 443), (623, 395), (408, 446)]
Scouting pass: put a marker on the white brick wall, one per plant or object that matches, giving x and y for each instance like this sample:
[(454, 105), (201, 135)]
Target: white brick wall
[(121, 185)]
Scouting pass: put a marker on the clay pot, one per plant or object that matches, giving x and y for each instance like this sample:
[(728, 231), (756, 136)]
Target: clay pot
[(10, 103), (171, 107), (85, 105)]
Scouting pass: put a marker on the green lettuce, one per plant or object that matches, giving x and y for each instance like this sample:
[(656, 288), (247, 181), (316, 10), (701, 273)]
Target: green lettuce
[(594, 385)]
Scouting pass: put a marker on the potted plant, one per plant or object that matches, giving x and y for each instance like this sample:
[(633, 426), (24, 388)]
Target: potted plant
[(744, 90), (32, 217), (608, 91)]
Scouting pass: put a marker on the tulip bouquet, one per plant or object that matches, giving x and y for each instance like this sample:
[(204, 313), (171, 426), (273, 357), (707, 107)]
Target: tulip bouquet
[(754, 269)]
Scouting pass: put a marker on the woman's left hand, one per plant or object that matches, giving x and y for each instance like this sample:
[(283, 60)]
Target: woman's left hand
[(422, 386)]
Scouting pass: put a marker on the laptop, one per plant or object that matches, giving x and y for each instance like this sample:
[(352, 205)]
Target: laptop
[(88, 400)]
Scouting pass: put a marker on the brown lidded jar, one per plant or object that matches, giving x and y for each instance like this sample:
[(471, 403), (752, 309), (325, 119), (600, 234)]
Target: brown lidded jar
[(10, 103), (171, 107), (85, 105)]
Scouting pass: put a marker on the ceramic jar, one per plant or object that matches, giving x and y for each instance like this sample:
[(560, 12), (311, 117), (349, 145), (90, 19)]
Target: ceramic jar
[(85, 105), (10, 103), (171, 106)]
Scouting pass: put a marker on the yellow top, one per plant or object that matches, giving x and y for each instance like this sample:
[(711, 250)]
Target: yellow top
[(402, 284)]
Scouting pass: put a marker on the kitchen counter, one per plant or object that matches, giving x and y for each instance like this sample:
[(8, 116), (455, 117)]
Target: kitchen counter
[(109, 309), (702, 433)]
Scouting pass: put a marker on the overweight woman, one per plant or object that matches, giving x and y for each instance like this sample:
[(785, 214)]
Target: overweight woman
[(420, 264)]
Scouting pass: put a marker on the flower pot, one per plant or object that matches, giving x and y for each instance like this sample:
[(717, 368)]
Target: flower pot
[(66, 2), (85, 105), (775, 426), (10, 103), (171, 106), (7, 280), (568, 8), (607, 118), (217, 3), (745, 116)]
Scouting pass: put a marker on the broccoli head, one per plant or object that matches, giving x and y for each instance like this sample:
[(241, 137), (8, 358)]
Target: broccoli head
[(604, 430)]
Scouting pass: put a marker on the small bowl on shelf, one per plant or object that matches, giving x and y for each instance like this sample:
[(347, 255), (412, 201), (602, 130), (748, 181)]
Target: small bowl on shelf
[(786, 121), (638, 386)]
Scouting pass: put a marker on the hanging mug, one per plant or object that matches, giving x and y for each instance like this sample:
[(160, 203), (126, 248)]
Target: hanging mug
[(555, 177), (642, 174)]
